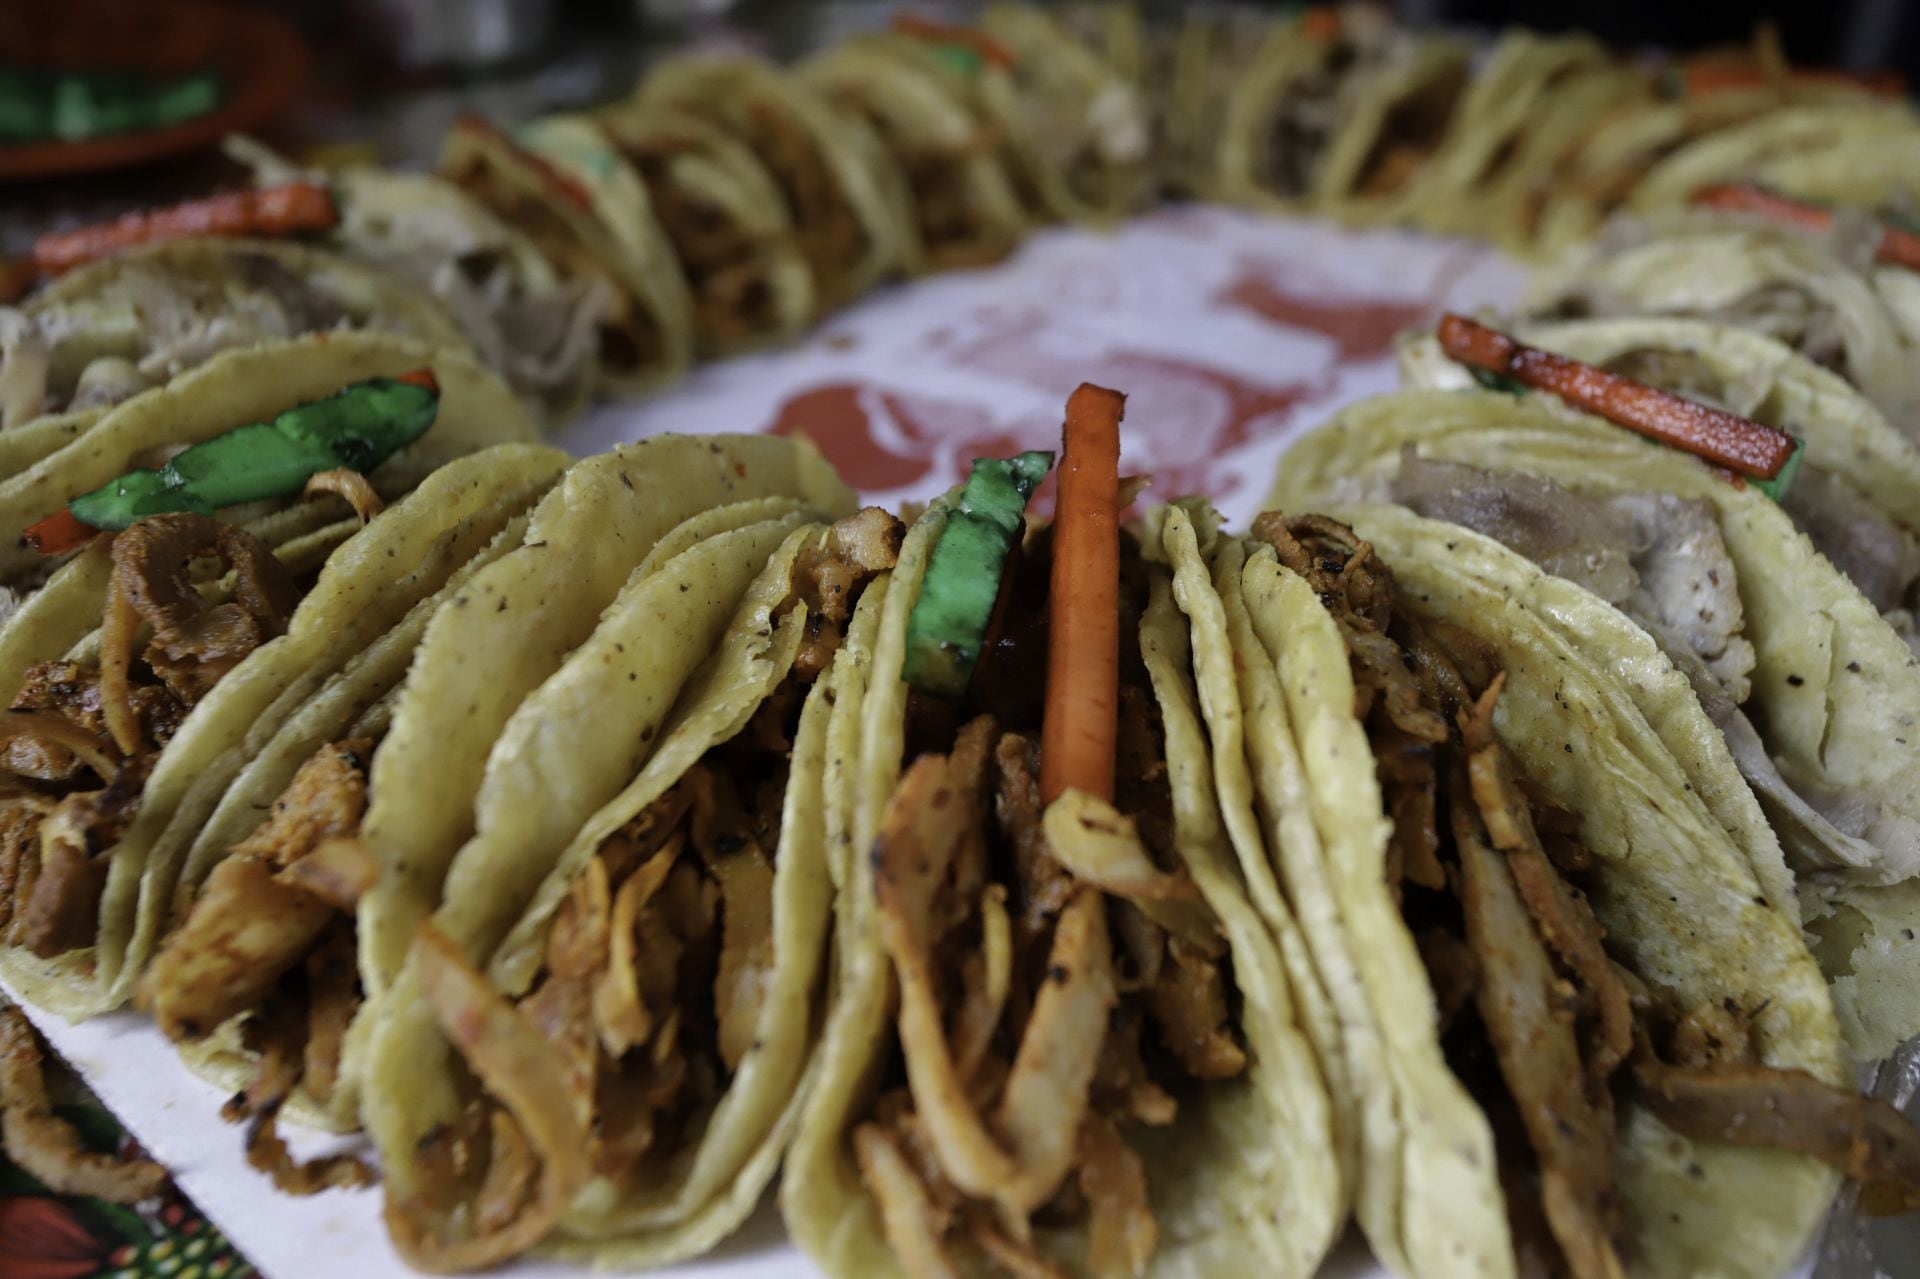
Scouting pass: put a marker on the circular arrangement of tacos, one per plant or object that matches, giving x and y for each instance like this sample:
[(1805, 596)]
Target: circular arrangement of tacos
[(1507, 844)]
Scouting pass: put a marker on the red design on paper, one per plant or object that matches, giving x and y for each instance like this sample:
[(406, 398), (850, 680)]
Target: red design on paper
[(880, 440), (1363, 328)]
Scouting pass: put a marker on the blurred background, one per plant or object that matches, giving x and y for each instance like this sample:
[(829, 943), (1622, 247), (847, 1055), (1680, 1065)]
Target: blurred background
[(383, 79)]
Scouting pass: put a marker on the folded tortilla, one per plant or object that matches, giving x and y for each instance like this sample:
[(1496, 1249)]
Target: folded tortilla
[(952, 188), (103, 333), (1241, 1173), (1343, 122), (82, 929), (1564, 754), (668, 945), (1076, 120), (476, 409), (1813, 293), (1501, 109), (525, 320), (1628, 142), (595, 223), (388, 755), (839, 184), (1813, 691), (748, 280), (1746, 150)]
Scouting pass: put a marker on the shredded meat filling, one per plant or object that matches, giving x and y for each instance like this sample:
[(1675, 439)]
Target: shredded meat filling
[(726, 264), (629, 339), (829, 231), (828, 578), (269, 938), (1544, 1025), (1056, 967)]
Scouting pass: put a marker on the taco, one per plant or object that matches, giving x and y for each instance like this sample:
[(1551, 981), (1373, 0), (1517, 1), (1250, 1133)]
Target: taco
[(1190, 68), (1495, 123), (838, 183), (251, 385), (286, 929), (952, 188), (1814, 693), (1511, 208), (1779, 138), (1560, 981), (1601, 175), (1812, 293), (595, 223), (104, 332), (120, 735), (1096, 1058), (1075, 124), (662, 959), (1340, 112), (527, 320), (1855, 491), (748, 280)]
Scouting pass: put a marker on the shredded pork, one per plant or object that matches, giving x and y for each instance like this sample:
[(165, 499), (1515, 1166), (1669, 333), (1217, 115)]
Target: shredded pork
[(1556, 1029), (1061, 981)]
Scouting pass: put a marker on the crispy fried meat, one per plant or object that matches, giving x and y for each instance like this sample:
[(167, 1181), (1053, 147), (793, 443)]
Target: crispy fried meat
[(828, 578), (45, 1145), (194, 643)]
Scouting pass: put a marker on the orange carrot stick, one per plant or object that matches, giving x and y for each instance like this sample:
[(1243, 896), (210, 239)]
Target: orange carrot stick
[(1742, 446), (270, 211), (1897, 246), (59, 533), (1322, 22), (550, 174), (1083, 628), (990, 49), (422, 378), (1714, 77), (1740, 198)]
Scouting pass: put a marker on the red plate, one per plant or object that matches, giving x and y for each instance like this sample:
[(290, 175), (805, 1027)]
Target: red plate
[(261, 61)]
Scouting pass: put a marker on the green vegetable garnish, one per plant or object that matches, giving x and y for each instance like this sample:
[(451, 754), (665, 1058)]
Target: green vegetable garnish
[(356, 428), (1776, 488), (948, 626), (1498, 382), (71, 106), (961, 58)]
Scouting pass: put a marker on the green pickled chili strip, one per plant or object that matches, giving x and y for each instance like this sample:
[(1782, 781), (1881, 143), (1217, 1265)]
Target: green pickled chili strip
[(357, 428), (948, 626), (1776, 488)]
